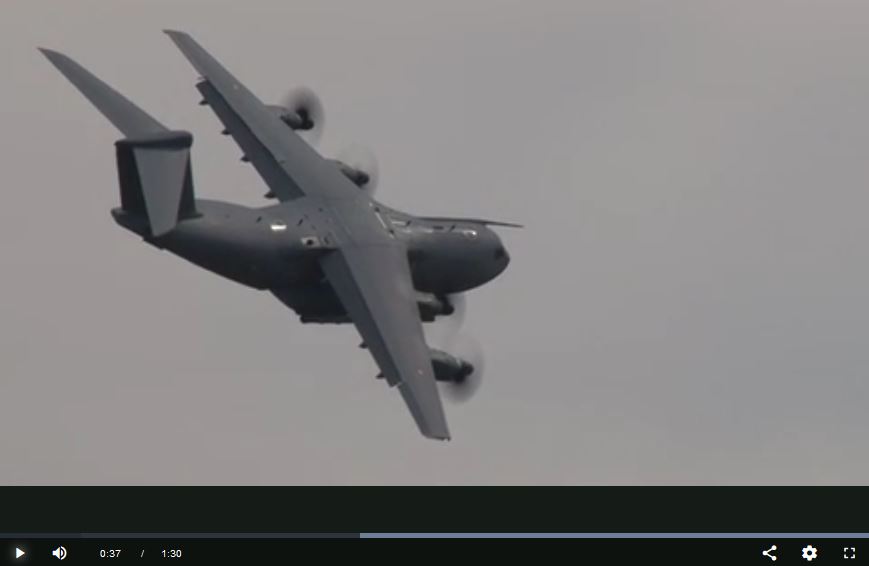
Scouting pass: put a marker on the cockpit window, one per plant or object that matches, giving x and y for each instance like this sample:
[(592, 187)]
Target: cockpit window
[(469, 233)]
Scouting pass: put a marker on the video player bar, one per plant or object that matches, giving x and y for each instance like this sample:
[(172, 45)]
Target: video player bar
[(772, 548)]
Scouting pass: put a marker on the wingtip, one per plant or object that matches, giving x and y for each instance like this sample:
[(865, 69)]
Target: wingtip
[(438, 437), (57, 58), (443, 436), (176, 34), (437, 430), (50, 53)]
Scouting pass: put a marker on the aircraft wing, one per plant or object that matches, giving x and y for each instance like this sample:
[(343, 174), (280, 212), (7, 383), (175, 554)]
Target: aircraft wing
[(289, 166), (369, 270), (374, 285)]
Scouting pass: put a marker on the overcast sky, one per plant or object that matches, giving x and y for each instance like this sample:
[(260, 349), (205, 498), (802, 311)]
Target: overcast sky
[(687, 304)]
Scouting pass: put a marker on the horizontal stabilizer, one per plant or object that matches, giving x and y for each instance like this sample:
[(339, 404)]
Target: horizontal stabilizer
[(155, 172), (449, 220), (126, 116)]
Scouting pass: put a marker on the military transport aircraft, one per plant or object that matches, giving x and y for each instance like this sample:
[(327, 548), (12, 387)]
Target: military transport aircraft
[(328, 250)]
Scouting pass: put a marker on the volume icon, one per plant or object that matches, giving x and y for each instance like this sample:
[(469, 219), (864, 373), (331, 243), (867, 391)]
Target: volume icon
[(59, 552)]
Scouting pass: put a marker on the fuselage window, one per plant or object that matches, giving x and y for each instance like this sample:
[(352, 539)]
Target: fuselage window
[(277, 226)]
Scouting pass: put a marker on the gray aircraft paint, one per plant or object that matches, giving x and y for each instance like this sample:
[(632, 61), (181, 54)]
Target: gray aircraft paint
[(328, 250)]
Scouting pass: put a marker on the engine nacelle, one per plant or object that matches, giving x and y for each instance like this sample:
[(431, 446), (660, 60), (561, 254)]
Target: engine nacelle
[(448, 367), (357, 176), (432, 306), (295, 120)]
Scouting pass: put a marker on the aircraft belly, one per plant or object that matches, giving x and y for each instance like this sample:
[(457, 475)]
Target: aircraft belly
[(313, 302)]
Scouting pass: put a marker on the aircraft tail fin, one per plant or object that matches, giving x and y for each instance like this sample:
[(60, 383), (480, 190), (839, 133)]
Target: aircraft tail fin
[(155, 178), (153, 161)]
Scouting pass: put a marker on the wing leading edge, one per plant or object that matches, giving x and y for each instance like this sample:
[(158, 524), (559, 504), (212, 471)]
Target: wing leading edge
[(290, 167), (374, 285)]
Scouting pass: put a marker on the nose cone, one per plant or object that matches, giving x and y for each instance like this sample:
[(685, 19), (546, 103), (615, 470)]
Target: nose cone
[(502, 258), (499, 255)]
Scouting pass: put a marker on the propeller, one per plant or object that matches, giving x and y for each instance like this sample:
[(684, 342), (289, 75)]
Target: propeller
[(361, 158), (305, 102), (469, 350), (452, 323), (446, 335), (446, 327)]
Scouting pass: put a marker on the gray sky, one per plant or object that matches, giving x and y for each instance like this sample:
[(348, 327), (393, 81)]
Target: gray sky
[(687, 304)]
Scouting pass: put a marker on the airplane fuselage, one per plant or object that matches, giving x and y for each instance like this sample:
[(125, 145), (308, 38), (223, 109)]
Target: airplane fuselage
[(277, 247)]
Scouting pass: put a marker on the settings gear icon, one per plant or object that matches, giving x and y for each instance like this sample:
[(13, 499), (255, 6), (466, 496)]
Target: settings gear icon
[(810, 552)]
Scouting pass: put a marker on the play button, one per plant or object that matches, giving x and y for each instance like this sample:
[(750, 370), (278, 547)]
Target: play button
[(18, 553)]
